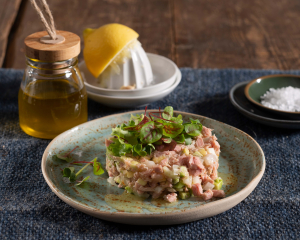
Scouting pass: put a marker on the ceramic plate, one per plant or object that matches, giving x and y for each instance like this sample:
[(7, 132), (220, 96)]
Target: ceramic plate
[(134, 101), (164, 75), (245, 107), (242, 165)]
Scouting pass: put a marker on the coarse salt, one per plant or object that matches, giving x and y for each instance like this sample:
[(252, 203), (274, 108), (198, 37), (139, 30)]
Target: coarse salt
[(286, 99)]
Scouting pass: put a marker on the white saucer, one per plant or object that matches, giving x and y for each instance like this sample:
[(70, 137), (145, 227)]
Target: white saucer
[(164, 74), (135, 101)]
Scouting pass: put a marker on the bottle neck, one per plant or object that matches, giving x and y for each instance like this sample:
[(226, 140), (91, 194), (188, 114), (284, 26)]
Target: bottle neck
[(52, 67)]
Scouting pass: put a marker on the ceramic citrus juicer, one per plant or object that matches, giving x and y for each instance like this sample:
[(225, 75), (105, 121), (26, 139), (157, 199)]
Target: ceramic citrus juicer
[(117, 71), (116, 58)]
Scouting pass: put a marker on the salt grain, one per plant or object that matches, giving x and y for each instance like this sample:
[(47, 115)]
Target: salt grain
[(286, 99)]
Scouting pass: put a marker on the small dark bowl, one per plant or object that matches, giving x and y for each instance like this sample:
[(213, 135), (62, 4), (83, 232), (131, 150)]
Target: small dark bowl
[(259, 86)]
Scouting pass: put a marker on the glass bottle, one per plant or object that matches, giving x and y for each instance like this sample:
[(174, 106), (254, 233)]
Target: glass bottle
[(52, 95)]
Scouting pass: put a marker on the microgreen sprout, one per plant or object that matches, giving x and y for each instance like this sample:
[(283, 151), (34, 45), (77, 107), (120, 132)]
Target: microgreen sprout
[(161, 127), (65, 156), (69, 172), (83, 180)]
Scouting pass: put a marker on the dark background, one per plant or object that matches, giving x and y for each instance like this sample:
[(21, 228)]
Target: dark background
[(257, 34)]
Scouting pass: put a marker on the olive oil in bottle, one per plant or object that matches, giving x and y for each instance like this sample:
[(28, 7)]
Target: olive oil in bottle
[(49, 107), (52, 95)]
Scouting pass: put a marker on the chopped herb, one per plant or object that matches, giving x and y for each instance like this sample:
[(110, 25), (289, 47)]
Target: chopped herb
[(83, 180)]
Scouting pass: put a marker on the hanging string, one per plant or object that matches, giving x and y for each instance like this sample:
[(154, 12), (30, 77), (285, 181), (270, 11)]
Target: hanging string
[(46, 17)]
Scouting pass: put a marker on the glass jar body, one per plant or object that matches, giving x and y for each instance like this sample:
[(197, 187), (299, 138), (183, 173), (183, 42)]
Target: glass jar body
[(52, 98)]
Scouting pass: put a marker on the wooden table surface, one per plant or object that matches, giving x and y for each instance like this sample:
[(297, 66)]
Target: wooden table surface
[(257, 34)]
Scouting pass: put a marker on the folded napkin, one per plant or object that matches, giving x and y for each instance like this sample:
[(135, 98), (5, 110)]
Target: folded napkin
[(29, 209)]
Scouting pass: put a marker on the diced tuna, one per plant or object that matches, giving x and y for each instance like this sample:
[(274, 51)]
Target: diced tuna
[(177, 148), (199, 143), (218, 193), (197, 189), (157, 192), (166, 185), (211, 142), (206, 179), (108, 142), (172, 197), (164, 162), (206, 132), (157, 177), (113, 172), (207, 195), (146, 175), (153, 184), (170, 180), (195, 166), (146, 189), (158, 169), (216, 147), (174, 161), (214, 174), (142, 167), (184, 160), (158, 154)]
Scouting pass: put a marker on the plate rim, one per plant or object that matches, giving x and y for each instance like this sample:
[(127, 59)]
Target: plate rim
[(244, 192), (235, 104)]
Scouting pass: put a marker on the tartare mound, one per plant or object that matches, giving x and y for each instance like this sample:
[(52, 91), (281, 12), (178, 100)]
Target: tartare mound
[(171, 169)]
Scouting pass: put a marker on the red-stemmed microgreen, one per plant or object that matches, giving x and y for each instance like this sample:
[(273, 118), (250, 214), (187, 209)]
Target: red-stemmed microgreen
[(69, 172), (66, 155), (83, 180), (161, 127)]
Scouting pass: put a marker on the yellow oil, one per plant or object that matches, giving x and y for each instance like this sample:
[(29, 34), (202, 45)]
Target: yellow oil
[(50, 107)]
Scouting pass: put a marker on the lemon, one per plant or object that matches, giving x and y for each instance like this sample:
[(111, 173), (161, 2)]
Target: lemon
[(103, 45)]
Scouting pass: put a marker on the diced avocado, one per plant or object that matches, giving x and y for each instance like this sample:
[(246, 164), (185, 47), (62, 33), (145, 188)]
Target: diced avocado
[(175, 180), (133, 165), (202, 151), (126, 158), (183, 172), (128, 189), (197, 154), (184, 195), (141, 182), (129, 174), (117, 179), (158, 159), (218, 183), (185, 151), (179, 185), (168, 173)]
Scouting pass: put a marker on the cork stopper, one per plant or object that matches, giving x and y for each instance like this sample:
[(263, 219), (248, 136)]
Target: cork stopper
[(40, 46)]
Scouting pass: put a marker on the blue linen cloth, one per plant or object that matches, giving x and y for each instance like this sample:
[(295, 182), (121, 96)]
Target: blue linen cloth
[(29, 209)]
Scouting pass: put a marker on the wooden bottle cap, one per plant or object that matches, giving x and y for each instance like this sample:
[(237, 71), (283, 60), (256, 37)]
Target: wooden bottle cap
[(39, 46)]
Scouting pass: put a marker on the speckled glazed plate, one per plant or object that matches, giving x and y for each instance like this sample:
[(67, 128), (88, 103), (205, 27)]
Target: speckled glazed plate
[(242, 165)]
